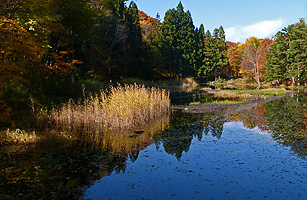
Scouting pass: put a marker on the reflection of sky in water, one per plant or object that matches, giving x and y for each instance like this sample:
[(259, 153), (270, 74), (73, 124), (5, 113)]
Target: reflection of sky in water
[(241, 126), (242, 164)]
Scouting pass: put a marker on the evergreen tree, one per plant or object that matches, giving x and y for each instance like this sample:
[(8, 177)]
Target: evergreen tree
[(178, 41), (135, 48), (105, 50), (220, 59), (188, 44), (276, 65), (287, 57), (199, 50), (207, 54), (297, 51), (168, 42)]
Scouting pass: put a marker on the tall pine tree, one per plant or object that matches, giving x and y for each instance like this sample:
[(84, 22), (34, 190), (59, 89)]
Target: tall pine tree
[(178, 41), (220, 59)]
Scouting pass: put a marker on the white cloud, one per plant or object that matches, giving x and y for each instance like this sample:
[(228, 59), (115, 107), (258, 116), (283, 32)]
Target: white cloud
[(260, 30)]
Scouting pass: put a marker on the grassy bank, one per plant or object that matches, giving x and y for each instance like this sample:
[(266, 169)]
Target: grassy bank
[(246, 95), (247, 83)]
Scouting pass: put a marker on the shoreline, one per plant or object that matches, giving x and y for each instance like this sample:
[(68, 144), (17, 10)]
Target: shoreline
[(213, 107)]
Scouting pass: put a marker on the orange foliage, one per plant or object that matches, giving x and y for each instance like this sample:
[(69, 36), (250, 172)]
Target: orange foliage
[(254, 57), (234, 54), (61, 62), (146, 23), (18, 51)]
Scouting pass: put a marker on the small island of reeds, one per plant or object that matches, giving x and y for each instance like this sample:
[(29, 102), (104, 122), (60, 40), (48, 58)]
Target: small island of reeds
[(116, 109)]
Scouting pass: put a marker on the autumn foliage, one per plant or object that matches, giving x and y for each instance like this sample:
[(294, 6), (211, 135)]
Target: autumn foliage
[(146, 23), (18, 52), (61, 62), (249, 58)]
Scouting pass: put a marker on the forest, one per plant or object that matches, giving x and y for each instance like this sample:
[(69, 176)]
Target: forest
[(51, 50)]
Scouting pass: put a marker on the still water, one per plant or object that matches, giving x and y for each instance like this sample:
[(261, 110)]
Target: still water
[(250, 151), (254, 151)]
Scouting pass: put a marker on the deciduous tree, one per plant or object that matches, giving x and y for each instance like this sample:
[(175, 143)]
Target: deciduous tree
[(254, 56)]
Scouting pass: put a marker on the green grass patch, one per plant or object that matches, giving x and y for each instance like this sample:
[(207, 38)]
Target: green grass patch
[(221, 102), (265, 93), (227, 102)]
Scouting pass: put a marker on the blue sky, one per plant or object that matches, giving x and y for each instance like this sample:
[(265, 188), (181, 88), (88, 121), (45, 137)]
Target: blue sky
[(241, 19)]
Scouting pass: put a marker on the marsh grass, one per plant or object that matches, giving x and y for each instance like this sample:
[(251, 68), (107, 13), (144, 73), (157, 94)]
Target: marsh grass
[(118, 109)]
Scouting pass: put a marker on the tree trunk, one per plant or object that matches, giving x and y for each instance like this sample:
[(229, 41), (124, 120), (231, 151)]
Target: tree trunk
[(215, 74), (258, 76), (298, 76)]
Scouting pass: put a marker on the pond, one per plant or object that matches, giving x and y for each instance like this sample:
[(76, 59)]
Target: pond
[(248, 151)]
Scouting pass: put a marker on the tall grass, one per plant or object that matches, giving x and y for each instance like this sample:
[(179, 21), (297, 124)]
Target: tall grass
[(117, 109)]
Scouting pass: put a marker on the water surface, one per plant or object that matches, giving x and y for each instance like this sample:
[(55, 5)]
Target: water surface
[(238, 163), (250, 151)]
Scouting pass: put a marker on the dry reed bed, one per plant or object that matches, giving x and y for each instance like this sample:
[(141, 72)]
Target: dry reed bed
[(117, 109)]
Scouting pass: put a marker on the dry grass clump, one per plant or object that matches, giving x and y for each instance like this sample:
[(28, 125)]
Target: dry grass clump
[(189, 82), (19, 136), (119, 108)]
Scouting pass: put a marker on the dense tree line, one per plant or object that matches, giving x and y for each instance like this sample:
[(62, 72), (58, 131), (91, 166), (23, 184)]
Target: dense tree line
[(186, 50), (48, 47)]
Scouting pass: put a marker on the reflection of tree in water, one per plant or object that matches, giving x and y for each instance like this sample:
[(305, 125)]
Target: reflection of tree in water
[(184, 127), (214, 124), (58, 167), (44, 172), (251, 115), (285, 118), (287, 122)]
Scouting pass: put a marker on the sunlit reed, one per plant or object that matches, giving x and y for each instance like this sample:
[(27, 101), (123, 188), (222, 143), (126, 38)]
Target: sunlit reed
[(117, 109), (19, 136)]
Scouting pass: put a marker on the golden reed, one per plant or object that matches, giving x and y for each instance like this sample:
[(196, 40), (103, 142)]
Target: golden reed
[(117, 109)]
